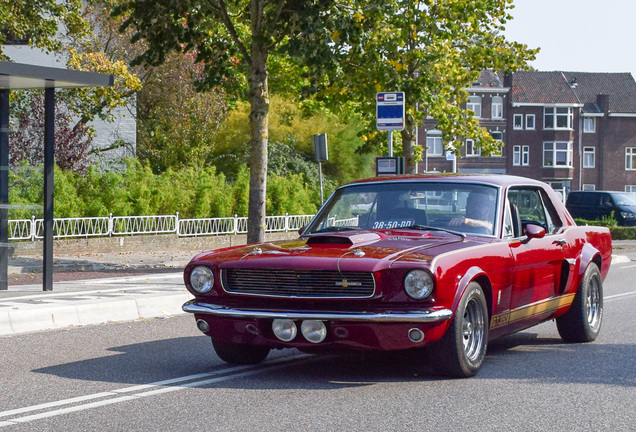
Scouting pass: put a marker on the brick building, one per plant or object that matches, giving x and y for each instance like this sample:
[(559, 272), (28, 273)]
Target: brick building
[(573, 130)]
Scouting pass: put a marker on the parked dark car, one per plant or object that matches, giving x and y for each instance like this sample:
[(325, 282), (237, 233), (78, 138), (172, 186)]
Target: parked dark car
[(439, 263), (592, 205)]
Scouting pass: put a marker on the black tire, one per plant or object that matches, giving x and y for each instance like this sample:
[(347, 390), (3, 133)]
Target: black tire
[(235, 353), (582, 322), (462, 349)]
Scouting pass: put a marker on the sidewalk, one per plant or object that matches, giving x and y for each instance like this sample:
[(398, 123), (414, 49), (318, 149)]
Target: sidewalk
[(93, 289), (100, 288)]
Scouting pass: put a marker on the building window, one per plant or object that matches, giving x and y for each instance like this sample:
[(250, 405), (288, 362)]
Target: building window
[(497, 107), (589, 124), (471, 149), (557, 154), (517, 121), (530, 121), (630, 158), (589, 187), (498, 136), (557, 118), (589, 157), (630, 188), (434, 145), (474, 104), (521, 155)]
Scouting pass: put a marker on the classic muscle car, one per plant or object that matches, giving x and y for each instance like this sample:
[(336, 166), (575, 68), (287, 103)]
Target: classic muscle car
[(438, 264)]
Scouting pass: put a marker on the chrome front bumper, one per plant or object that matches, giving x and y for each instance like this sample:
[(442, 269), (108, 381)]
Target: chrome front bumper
[(420, 316)]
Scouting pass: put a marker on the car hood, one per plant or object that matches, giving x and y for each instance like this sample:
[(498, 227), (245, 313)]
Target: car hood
[(344, 251)]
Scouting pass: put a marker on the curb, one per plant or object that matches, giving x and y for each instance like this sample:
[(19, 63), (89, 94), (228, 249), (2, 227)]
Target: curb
[(620, 259), (89, 312)]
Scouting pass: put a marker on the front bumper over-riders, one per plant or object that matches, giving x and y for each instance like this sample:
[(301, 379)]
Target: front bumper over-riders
[(389, 330)]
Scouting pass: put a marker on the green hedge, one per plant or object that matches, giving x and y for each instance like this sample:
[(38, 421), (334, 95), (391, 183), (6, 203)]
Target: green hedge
[(618, 232), (138, 191)]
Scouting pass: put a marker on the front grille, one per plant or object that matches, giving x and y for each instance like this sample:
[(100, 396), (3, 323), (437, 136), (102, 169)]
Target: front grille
[(298, 283)]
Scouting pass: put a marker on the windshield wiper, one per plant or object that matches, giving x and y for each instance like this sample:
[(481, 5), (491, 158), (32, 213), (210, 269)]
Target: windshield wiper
[(432, 228), (335, 229)]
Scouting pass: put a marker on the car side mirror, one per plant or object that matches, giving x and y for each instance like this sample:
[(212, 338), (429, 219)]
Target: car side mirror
[(608, 204), (301, 229), (534, 231)]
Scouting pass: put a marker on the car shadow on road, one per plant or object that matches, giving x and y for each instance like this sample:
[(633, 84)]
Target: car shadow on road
[(523, 356)]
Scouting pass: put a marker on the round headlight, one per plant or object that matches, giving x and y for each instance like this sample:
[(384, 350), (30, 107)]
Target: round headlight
[(418, 284), (201, 279)]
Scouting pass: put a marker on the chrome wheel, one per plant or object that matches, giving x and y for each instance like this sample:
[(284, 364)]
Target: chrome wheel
[(462, 349), (473, 329), (593, 304), (582, 322)]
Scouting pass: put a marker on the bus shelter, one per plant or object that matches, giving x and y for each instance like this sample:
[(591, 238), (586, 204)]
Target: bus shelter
[(16, 76)]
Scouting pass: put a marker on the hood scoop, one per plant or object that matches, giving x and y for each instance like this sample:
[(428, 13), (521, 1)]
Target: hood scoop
[(343, 239)]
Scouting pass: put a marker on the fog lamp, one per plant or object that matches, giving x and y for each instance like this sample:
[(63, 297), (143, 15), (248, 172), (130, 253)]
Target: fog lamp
[(284, 329), (314, 331)]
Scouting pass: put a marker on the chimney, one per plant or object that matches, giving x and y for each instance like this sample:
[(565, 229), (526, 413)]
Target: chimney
[(602, 100)]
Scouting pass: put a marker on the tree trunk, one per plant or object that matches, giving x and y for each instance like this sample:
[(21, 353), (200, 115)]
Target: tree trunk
[(259, 124), (408, 145)]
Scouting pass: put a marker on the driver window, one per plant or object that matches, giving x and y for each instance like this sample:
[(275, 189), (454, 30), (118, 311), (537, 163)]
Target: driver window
[(534, 207), (529, 205)]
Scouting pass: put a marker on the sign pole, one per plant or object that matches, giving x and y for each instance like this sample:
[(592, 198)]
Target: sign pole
[(322, 201), (390, 135)]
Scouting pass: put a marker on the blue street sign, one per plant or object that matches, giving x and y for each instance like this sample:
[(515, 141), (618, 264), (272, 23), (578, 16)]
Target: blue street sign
[(389, 110)]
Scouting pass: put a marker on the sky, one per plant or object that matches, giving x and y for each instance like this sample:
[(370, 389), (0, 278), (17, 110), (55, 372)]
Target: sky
[(577, 35)]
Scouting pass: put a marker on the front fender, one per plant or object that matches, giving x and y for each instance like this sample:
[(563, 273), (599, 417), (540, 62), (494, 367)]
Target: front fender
[(470, 275)]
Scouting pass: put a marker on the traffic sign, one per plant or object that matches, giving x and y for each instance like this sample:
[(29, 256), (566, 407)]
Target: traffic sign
[(389, 110)]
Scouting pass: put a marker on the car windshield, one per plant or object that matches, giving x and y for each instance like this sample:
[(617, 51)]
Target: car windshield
[(628, 199), (459, 207)]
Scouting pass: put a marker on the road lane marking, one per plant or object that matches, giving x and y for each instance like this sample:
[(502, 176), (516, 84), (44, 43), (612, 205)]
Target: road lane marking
[(617, 296), (174, 384), (626, 267)]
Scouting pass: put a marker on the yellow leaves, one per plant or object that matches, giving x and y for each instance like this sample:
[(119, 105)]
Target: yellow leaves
[(98, 62), (335, 36)]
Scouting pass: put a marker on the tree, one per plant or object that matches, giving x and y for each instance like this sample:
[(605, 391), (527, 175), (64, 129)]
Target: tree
[(59, 26), (71, 142), (430, 49), (39, 24), (234, 39), (176, 124)]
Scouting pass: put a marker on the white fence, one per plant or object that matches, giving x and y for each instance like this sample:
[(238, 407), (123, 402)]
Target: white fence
[(33, 229)]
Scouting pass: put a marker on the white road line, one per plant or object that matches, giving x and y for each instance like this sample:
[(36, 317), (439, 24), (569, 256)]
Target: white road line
[(188, 382), (626, 267), (93, 292), (617, 296)]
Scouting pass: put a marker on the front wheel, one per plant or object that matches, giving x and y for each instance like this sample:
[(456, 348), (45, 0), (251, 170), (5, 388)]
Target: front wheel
[(462, 349), (236, 353), (582, 322)]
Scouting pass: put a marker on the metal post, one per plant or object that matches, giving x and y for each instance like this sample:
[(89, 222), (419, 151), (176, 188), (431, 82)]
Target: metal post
[(390, 133), (4, 189), (322, 201), (49, 165)]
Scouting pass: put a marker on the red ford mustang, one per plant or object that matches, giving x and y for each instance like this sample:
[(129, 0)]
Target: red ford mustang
[(443, 262)]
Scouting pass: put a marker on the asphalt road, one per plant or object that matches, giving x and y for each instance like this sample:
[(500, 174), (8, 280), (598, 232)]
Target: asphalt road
[(162, 375)]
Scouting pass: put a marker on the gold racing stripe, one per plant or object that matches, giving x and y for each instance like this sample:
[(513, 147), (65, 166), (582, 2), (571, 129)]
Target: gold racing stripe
[(532, 310)]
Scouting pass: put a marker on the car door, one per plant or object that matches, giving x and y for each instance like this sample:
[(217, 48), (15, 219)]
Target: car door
[(538, 261)]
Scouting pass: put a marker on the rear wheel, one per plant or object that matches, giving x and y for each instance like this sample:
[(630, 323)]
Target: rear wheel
[(236, 353), (582, 322), (462, 349)]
